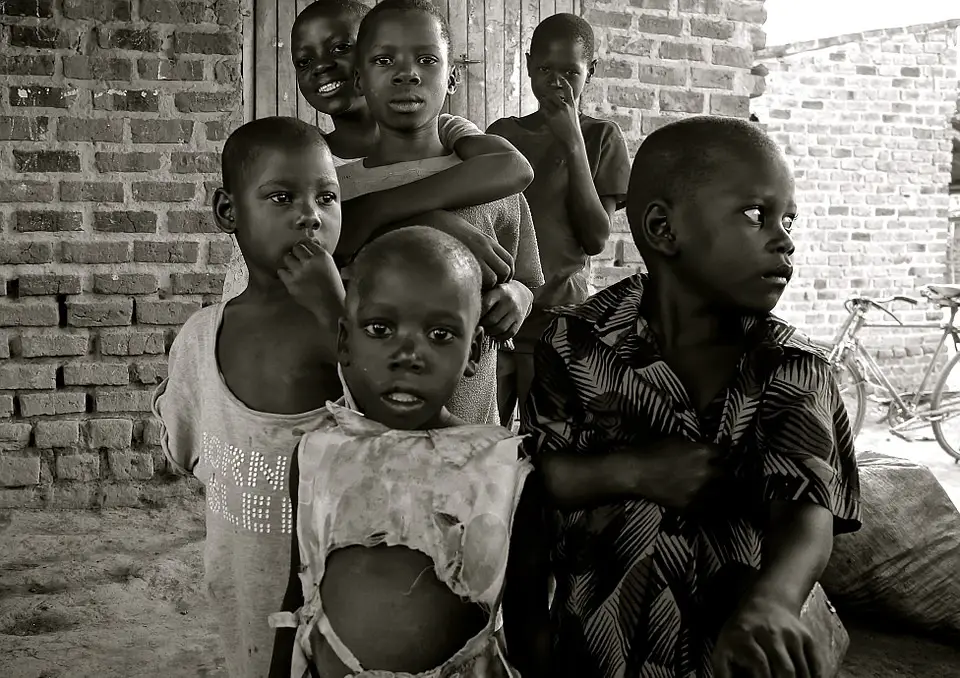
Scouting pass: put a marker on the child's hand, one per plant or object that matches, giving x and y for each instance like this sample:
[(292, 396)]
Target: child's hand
[(563, 119), (504, 309), (765, 639), (313, 280), (677, 470)]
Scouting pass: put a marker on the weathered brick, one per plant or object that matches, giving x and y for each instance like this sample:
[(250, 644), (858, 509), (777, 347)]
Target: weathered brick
[(41, 9), (38, 377), (139, 39), (6, 405), (44, 345), (681, 51), (27, 64), (125, 222), (631, 97), (127, 162), (109, 433), (25, 191), (19, 471), (165, 311), (681, 101), (20, 128), (51, 434), (82, 467), (132, 343), (43, 37), (14, 436), (712, 78), (42, 96), (123, 401), (220, 252), (46, 161), (125, 465), (191, 222), (91, 191), (661, 75), (49, 404), (43, 284), (658, 24), (104, 252), (163, 191), (113, 313), (26, 253), (180, 12), (194, 163), (83, 374), (740, 57), (29, 314), (166, 252), (161, 131), (96, 68), (99, 10), (150, 372), (96, 129), (129, 100), (730, 105), (206, 102), (125, 283), (46, 221)]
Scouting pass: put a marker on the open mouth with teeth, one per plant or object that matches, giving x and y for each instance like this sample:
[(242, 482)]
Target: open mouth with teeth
[(330, 88)]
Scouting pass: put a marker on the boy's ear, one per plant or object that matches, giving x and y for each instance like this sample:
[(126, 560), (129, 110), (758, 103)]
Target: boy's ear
[(223, 211), (657, 230), (476, 349), (453, 82), (591, 70), (343, 349)]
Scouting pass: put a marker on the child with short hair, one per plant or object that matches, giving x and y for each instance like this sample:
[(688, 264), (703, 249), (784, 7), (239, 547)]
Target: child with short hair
[(249, 376), (696, 447), (323, 42), (404, 72), (403, 513), (581, 170)]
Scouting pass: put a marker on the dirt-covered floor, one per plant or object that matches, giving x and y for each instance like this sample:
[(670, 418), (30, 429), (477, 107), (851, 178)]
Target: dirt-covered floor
[(117, 594)]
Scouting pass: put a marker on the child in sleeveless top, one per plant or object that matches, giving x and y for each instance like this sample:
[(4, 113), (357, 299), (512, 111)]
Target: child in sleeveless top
[(403, 513), (323, 42)]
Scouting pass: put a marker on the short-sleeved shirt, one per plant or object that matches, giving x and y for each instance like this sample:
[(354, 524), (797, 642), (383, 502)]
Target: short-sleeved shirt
[(642, 590), (452, 129), (566, 267), (507, 220)]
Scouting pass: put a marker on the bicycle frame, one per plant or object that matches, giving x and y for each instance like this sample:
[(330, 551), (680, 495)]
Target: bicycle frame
[(846, 340)]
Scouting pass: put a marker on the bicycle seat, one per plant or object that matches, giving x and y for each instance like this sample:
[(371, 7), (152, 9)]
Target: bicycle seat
[(951, 292)]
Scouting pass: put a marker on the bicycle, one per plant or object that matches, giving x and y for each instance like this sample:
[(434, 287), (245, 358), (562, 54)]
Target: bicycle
[(851, 361)]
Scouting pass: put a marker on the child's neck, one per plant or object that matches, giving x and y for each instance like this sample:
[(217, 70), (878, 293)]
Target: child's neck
[(405, 145), (682, 319)]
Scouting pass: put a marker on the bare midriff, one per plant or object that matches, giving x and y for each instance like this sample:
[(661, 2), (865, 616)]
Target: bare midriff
[(388, 608)]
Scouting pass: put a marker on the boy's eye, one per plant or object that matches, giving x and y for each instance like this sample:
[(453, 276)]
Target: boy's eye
[(328, 198), (376, 330), (281, 198)]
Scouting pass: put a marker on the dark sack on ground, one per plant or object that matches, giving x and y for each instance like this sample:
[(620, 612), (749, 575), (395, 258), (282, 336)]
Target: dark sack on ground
[(904, 563)]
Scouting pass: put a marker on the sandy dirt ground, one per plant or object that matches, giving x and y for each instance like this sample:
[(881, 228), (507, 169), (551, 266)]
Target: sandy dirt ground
[(118, 594)]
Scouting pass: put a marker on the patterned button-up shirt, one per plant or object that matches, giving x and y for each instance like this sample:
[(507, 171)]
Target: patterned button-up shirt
[(641, 589)]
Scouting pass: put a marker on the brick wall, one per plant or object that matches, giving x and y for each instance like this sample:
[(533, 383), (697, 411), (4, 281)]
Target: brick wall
[(664, 59), (865, 120), (111, 117)]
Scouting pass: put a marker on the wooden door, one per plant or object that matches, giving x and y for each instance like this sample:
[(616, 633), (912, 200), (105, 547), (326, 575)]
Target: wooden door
[(490, 39)]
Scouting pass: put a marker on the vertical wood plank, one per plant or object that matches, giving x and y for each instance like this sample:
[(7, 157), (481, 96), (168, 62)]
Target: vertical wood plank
[(476, 84), (305, 111), (458, 22), (493, 57), (529, 19), (265, 48), (513, 67), (286, 75)]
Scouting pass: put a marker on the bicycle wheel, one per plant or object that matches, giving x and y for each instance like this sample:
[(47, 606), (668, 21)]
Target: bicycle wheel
[(853, 391), (946, 396)]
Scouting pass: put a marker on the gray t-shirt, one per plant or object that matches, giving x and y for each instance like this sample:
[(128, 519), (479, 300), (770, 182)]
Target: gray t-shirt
[(243, 458)]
